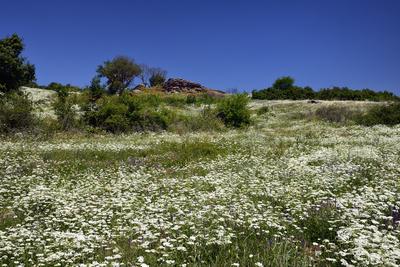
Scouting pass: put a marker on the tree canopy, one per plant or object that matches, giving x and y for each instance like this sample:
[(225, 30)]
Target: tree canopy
[(15, 71), (283, 83), (119, 72), (284, 88)]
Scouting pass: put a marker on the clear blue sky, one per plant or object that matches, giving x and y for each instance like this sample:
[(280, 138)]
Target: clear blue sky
[(222, 44)]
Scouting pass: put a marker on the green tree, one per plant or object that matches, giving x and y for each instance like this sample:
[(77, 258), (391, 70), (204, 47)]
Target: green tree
[(283, 83), (119, 73), (15, 71), (96, 89)]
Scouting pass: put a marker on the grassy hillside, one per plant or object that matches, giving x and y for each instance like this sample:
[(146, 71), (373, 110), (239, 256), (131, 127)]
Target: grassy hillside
[(291, 190)]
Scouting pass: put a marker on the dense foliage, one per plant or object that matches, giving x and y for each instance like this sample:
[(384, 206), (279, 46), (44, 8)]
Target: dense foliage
[(284, 88), (149, 111), (15, 71)]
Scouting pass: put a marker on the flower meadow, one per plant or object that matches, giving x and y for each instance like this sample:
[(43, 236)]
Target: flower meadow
[(288, 191)]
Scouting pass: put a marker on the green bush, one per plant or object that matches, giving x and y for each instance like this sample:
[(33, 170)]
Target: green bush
[(116, 123), (233, 110), (385, 114), (148, 111), (108, 113), (148, 119), (205, 121), (141, 112), (65, 110), (15, 112)]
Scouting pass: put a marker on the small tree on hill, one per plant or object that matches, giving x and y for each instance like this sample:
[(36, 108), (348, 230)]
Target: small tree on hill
[(15, 71), (152, 76), (283, 83), (145, 74), (157, 77), (119, 73), (96, 89)]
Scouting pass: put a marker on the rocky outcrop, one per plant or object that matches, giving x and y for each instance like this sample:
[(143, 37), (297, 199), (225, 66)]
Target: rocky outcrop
[(185, 86), (181, 85)]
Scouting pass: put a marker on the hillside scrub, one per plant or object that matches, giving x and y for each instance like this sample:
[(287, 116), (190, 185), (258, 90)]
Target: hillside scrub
[(335, 113), (284, 88), (287, 193), (384, 114), (234, 111), (147, 112), (16, 113), (65, 109)]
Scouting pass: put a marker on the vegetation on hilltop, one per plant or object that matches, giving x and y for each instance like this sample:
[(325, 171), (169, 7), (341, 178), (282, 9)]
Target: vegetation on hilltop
[(284, 88), (107, 105)]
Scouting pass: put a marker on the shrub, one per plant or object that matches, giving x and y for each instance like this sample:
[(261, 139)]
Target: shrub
[(148, 119), (142, 100), (129, 112), (65, 110), (96, 89), (206, 120), (386, 114), (336, 114), (15, 112), (152, 76), (116, 123), (233, 110), (157, 79), (109, 114)]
